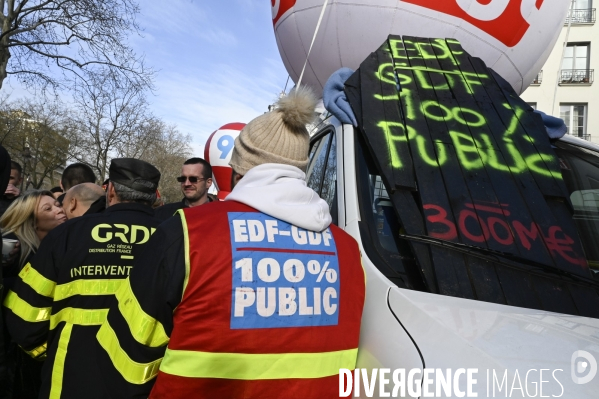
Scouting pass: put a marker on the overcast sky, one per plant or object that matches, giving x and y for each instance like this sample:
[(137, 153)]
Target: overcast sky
[(217, 62)]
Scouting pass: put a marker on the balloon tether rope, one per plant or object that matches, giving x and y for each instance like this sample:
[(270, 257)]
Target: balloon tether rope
[(324, 7)]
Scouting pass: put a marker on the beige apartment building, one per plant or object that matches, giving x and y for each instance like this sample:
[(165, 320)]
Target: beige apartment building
[(565, 86)]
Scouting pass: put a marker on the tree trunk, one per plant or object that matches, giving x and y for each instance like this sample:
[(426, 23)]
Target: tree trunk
[(4, 50)]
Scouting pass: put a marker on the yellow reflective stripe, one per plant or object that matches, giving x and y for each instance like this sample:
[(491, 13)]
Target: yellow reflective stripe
[(186, 240), (35, 280), (24, 310), (145, 329), (133, 372), (39, 352), (58, 367), (81, 317), (244, 366), (87, 287)]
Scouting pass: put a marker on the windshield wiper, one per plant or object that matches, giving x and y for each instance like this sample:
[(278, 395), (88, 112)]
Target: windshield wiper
[(495, 256)]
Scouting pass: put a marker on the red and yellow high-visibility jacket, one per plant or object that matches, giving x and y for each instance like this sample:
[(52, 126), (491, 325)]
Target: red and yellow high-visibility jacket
[(265, 309)]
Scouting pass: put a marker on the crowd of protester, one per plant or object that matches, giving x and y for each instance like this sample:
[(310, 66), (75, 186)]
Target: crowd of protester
[(80, 320), (29, 217)]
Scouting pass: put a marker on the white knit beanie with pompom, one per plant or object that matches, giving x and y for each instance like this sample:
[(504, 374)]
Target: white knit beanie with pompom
[(279, 136)]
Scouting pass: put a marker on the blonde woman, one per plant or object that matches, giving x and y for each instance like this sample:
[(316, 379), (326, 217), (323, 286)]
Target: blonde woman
[(29, 219)]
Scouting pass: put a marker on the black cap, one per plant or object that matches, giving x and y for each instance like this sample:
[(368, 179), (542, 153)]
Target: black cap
[(134, 173)]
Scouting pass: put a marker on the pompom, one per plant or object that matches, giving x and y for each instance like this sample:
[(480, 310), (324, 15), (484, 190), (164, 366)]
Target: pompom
[(298, 107)]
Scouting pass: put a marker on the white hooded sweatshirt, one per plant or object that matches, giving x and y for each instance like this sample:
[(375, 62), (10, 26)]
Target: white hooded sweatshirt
[(280, 191)]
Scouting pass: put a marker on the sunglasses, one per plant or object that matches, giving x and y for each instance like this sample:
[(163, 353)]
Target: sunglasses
[(192, 179)]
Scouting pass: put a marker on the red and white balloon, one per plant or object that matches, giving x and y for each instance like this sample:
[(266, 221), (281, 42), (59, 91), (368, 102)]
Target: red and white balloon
[(514, 37), (217, 152)]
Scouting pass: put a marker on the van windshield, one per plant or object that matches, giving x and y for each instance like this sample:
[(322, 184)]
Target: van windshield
[(518, 282), (461, 191)]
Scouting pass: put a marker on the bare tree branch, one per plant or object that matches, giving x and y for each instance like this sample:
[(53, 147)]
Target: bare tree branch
[(57, 42), (112, 119)]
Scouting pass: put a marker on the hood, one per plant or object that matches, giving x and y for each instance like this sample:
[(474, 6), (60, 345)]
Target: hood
[(280, 191), (498, 339)]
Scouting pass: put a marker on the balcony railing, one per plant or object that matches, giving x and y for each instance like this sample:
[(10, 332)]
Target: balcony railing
[(577, 76), (538, 79), (582, 16), (586, 137)]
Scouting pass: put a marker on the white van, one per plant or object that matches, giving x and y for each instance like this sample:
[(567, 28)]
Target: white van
[(535, 349)]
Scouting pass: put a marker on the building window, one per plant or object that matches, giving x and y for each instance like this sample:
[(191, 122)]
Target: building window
[(538, 79), (582, 12), (582, 4), (576, 56), (575, 116), (575, 67)]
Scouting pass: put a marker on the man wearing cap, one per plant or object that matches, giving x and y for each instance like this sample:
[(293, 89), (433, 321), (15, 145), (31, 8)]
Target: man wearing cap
[(62, 297), (258, 296)]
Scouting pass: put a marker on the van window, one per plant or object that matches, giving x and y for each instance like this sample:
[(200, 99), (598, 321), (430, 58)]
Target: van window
[(329, 181), (321, 175), (318, 161), (379, 225)]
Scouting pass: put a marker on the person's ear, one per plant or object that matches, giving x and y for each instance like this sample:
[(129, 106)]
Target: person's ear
[(208, 182), (110, 194), (235, 177), (73, 205)]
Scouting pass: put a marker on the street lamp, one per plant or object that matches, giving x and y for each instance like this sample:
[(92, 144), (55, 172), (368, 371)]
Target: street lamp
[(26, 154)]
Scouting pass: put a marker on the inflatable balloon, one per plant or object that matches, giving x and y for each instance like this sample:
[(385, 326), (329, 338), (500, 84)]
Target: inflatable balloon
[(514, 37), (217, 152)]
